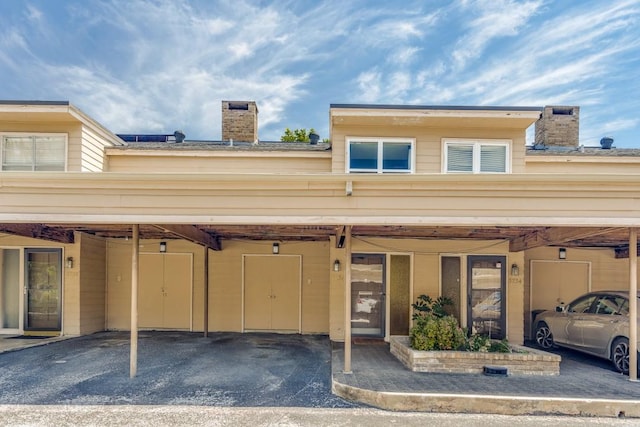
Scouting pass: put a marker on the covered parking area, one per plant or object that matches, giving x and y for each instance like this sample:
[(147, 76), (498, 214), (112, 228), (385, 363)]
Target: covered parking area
[(527, 211)]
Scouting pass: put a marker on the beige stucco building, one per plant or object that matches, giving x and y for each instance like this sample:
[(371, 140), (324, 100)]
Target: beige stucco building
[(249, 235)]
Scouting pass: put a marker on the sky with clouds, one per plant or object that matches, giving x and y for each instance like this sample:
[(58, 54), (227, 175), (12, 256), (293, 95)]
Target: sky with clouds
[(154, 66)]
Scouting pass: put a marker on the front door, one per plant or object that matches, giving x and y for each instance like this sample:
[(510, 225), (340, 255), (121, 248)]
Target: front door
[(486, 300), (43, 288), (368, 294)]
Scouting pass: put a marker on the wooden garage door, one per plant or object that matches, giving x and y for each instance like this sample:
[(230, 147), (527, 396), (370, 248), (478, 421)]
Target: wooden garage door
[(272, 293), (164, 294), (555, 282)]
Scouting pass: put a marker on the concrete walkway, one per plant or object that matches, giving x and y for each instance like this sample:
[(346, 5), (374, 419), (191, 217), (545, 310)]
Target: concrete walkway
[(586, 386)]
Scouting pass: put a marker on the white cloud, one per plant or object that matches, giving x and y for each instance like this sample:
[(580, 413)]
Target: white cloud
[(497, 18), (369, 86)]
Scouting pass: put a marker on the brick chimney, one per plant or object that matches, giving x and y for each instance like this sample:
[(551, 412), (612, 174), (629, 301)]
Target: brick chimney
[(239, 121), (558, 127)]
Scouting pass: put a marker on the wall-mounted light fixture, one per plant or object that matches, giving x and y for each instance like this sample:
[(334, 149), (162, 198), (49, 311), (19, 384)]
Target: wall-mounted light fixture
[(163, 247), (69, 262), (336, 265), (275, 248), (515, 270), (562, 253)]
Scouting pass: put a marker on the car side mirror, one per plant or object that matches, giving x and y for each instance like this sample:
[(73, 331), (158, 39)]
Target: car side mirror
[(559, 308)]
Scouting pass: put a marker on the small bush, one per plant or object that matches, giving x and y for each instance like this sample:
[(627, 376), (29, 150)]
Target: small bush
[(437, 333), (434, 329)]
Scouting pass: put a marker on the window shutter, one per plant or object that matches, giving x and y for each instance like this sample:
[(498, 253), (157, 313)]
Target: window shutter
[(493, 158), (459, 158)]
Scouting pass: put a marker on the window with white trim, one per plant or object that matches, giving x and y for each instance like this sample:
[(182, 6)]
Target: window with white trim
[(380, 155), (33, 152), (476, 156)]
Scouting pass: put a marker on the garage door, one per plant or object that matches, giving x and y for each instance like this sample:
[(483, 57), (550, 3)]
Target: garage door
[(272, 293), (164, 293), (555, 282)]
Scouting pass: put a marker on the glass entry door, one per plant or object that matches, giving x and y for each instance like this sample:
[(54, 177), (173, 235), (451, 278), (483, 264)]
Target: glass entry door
[(367, 294), (486, 285), (43, 281)]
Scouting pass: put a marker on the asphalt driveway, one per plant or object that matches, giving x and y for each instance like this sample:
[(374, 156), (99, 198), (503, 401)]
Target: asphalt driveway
[(174, 368)]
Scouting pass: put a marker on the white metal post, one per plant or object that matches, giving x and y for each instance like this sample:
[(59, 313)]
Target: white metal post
[(633, 304), (133, 360), (347, 301)]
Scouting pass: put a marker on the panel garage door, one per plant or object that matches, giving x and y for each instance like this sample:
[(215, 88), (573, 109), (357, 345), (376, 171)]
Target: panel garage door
[(555, 282), (164, 294), (272, 293)]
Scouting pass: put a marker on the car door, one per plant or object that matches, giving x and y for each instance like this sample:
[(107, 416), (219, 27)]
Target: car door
[(577, 318), (599, 326)]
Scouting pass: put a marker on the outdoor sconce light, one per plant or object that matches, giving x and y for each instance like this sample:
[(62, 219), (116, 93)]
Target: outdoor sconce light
[(275, 248), (562, 253), (336, 265), (515, 270), (163, 247), (69, 262)]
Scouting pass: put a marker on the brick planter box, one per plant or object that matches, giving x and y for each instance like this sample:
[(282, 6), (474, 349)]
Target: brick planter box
[(525, 361)]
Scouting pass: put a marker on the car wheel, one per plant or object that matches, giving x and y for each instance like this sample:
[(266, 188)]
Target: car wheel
[(620, 355), (544, 337)]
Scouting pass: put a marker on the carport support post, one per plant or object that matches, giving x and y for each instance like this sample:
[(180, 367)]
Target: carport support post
[(206, 292), (633, 304), (133, 361), (347, 301)]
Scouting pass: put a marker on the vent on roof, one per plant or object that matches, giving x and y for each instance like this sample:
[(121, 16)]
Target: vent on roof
[(179, 135)]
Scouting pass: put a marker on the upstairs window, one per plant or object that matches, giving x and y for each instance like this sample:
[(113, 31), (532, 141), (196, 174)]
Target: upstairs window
[(33, 152), (380, 155), (476, 156)]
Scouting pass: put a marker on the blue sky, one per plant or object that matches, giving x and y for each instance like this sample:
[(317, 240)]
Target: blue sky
[(142, 66)]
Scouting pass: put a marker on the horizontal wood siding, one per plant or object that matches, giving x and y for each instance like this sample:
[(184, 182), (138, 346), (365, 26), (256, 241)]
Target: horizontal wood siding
[(124, 163), (92, 153), (572, 165), (428, 143)]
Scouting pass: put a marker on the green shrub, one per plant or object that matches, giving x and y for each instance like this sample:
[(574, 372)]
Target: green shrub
[(434, 329), (437, 333)]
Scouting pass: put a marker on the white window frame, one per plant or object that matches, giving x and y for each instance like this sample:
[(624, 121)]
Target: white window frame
[(33, 135), (380, 141), (477, 144)]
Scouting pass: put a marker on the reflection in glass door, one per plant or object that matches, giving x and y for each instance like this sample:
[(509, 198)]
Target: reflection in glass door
[(486, 284), (367, 295), (43, 281)]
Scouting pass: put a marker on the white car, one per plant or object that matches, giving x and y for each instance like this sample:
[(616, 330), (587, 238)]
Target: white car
[(596, 323)]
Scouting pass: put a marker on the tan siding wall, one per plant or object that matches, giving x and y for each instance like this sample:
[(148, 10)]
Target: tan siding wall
[(576, 165), (426, 274), (119, 279), (92, 266), (73, 130), (137, 163), (225, 292), (92, 154), (428, 143)]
